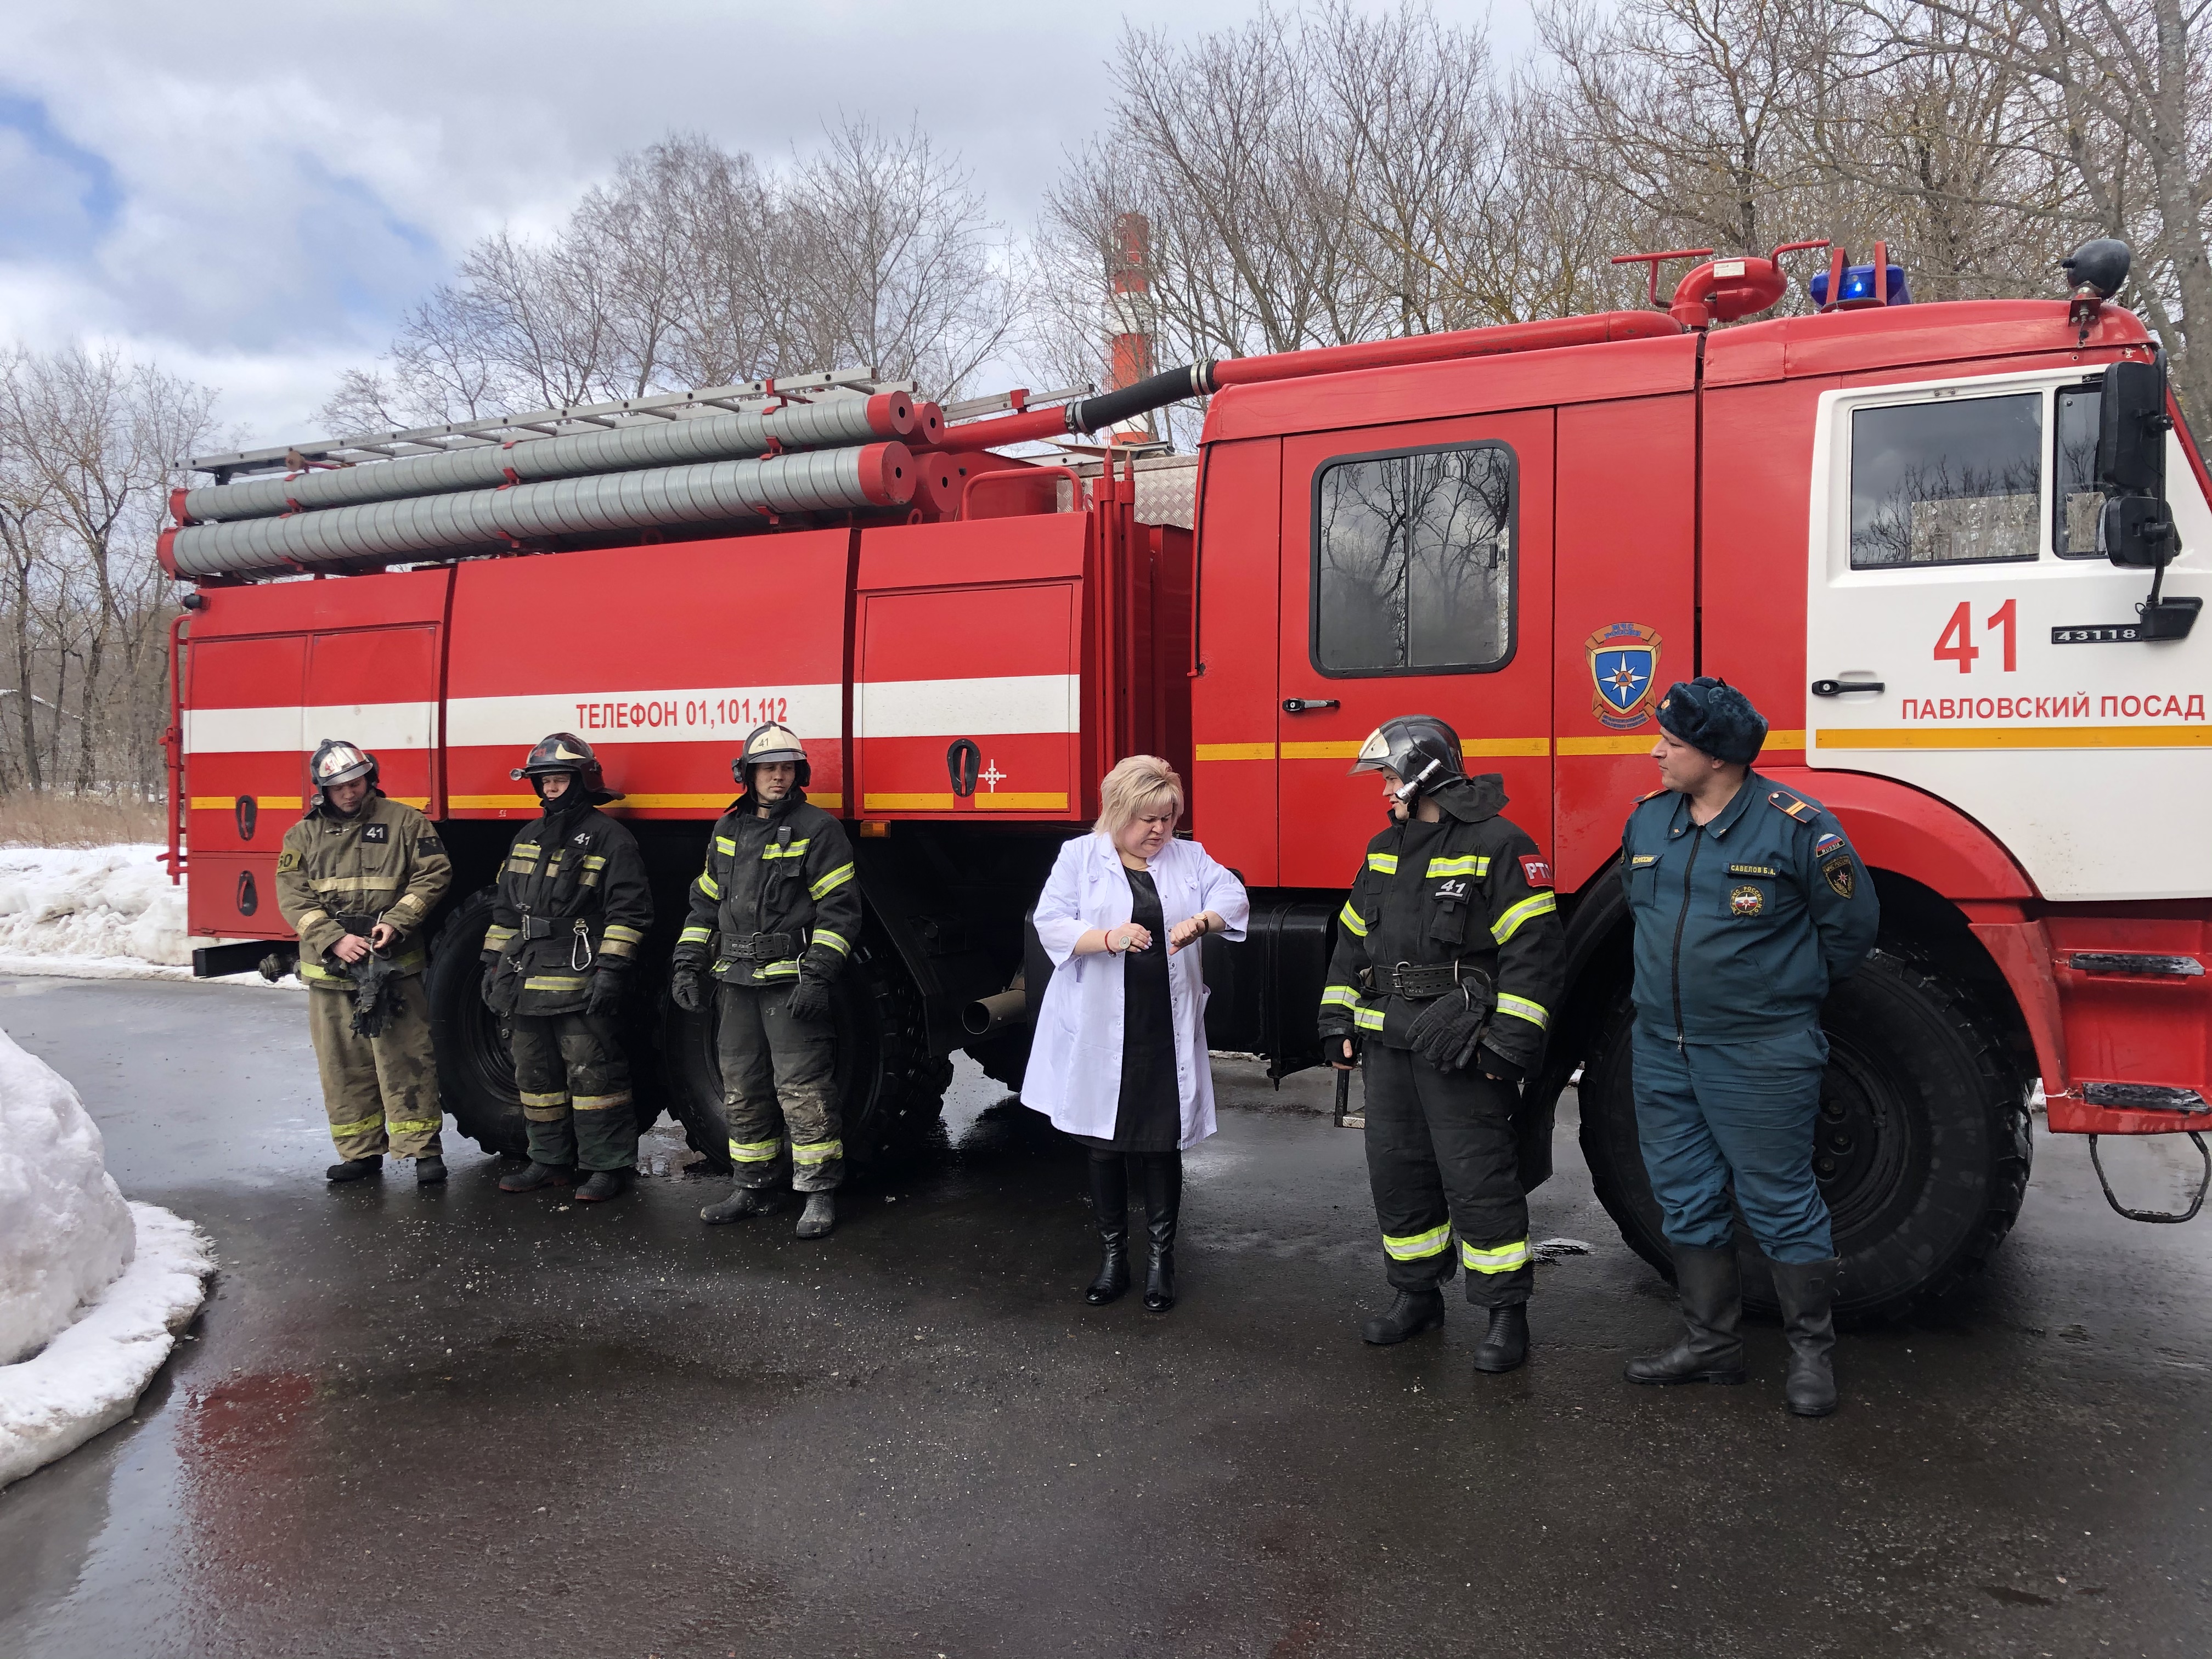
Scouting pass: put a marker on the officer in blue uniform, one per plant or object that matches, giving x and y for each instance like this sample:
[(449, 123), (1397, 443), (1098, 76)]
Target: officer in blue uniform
[(1749, 904)]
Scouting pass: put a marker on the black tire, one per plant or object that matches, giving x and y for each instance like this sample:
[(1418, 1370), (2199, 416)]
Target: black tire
[(1922, 1147), (476, 1069), (891, 1090)]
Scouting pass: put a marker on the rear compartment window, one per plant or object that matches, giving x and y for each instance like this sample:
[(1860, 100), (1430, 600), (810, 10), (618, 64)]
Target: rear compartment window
[(1413, 561), (2073, 462), (1955, 481)]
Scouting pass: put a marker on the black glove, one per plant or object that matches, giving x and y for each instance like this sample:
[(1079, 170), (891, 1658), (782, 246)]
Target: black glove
[(490, 974), (1332, 1047), (606, 991), (1448, 1030), (1490, 1063), (810, 999), (501, 990), (687, 987)]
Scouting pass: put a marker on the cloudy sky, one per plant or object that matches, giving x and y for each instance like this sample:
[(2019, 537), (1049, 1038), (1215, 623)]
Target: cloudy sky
[(253, 196)]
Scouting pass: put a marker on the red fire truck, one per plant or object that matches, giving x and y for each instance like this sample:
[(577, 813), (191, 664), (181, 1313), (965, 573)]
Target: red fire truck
[(1931, 542)]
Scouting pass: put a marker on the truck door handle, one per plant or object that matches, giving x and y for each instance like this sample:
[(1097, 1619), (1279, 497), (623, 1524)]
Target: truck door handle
[(1301, 705), (1837, 688)]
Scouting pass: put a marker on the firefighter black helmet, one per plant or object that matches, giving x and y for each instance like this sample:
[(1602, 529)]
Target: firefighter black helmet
[(1419, 748), (337, 762), (764, 746), (563, 751)]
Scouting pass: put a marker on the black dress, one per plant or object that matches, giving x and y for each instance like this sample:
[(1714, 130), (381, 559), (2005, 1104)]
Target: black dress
[(1149, 1117)]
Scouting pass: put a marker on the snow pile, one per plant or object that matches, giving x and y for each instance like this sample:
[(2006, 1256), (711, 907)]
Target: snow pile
[(105, 910), (65, 1232), (92, 1289)]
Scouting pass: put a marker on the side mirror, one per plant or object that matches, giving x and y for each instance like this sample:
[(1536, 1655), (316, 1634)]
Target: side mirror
[(2135, 532), (2131, 428)]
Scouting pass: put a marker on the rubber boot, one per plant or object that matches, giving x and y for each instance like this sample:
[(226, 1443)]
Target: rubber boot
[(602, 1184), (1109, 1208), (1163, 1209), (1710, 1289), (1804, 1289), (743, 1201), (533, 1176), (354, 1168), (820, 1218), (1506, 1346), (1410, 1313), (429, 1171)]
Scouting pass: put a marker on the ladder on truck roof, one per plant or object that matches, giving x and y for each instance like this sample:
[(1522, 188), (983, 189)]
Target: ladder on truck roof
[(495, 429)]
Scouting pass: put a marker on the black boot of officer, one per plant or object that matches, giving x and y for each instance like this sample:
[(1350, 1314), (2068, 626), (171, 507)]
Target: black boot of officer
[(1805, 1290), (1710, 1288)]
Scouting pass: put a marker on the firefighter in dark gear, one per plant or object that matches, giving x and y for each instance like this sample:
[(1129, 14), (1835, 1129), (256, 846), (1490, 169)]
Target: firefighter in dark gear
[(1748, 903), (356, 878), (1449, 959), (774, 917), (571, 909)]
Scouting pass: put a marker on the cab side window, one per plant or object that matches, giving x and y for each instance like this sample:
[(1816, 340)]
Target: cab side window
[(1955, 481), (2073, 462), (1412, 562)]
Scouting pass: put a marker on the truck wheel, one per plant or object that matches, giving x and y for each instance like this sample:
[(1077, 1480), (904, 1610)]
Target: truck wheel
[(476, 1071), (890, 1088), (1921, 1147)]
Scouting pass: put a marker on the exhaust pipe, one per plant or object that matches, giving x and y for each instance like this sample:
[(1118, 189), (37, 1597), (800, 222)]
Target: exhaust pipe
[(988, 1015)]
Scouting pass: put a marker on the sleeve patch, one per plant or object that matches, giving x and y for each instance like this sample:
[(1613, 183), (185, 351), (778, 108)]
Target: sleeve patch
[(1828, 843), (288, 859), (1534, 870), (427, 847), (1842, 874)]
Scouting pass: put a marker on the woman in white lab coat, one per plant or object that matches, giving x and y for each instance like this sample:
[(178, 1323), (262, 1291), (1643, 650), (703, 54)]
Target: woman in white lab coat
[(1118, 1060)]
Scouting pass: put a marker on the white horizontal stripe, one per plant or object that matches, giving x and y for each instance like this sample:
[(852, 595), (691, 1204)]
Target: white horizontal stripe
[(968, 708), (373, 726), (723, 714)]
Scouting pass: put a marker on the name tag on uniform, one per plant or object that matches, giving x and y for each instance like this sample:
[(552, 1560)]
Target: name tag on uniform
[(1640, 858), (377, 832), (1750, 869)]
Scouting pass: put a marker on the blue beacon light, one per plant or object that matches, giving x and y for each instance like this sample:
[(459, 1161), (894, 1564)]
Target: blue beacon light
[(1858, 285)]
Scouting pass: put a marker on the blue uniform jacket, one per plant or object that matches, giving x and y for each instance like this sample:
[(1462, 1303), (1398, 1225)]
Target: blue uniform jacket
[(1741, 924)]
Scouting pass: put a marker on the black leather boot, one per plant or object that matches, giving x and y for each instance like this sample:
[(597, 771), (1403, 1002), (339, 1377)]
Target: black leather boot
[(429, 1171), (533, 1176), (1711, 1291), (1410, 1313), (1506, 1346), (743, 1201), (354, 1168), (1162, 1208), (602, 1184), (1109, 1208), (1805, 1290)]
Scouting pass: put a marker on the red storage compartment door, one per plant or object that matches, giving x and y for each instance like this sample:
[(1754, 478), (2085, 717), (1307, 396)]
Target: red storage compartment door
[(972, 633), (663, 657), (378, 687), (244, 772)]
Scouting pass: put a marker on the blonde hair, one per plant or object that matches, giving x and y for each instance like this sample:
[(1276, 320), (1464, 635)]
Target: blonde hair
[(1138, 785)]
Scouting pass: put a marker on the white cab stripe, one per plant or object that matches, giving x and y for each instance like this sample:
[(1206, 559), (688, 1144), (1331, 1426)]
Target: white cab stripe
[(721, 714), (1000, 707), (373, 726)]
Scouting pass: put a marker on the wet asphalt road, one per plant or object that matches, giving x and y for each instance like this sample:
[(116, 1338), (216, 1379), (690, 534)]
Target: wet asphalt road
[(452, 1422)]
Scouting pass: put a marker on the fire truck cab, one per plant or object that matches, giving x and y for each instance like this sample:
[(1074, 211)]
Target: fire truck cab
[(1891, 525)]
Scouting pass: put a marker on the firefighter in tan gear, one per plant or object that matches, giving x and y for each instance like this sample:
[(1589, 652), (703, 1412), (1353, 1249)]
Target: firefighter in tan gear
[(356, 880), (571, 909), (773, 919), (1449, 959)]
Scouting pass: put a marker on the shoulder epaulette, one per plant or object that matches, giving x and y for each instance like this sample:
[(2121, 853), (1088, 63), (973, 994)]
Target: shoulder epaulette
[(1787, 804), (1653, 795)]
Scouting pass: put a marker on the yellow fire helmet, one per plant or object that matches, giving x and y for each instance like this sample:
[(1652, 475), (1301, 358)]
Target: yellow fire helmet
[(765, 746)]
